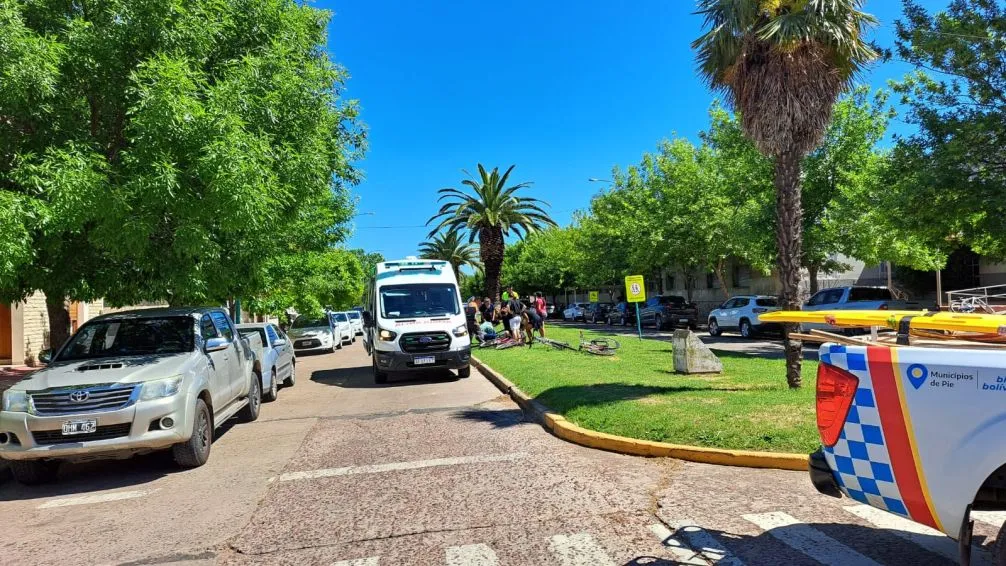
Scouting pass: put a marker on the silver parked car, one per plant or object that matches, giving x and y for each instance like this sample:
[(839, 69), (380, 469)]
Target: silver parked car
[(275, 357), (314, 334), (129, 383)]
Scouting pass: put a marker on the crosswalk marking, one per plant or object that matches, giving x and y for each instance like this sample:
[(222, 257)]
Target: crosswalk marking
[(98, 498), (681, 554), (371, 561), (994, 518), (808, 540), (708, 546), (928, 538), (579, 550), (395, 466), (471, 555)]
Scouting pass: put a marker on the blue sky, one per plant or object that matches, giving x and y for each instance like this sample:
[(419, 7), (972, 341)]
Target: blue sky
[(565, 90)]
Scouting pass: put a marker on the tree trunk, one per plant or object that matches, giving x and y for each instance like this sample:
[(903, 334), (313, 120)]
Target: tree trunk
[(812, 271), (59, 320), (789, 239), (491, 253), (722, 278)]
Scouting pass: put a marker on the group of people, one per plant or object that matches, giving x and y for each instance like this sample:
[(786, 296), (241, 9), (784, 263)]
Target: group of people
[(520, 318)]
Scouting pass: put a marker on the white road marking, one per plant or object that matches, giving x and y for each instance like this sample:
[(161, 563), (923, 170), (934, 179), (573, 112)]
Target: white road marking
[(808, 540), (924, 536), (994, 518), (579, 550), (682, 554), (371, 561), (99, 498), (471, 555), (396, 466), (708, 545)]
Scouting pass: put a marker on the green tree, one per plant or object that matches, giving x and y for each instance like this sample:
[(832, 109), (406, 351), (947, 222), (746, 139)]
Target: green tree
[(783, 64), (165, 150), (547, 261), (948, 180), (490, 212), (310, 282), (450, 247)]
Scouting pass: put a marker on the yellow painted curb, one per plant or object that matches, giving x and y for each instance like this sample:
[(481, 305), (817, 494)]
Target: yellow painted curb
[(566, 430)]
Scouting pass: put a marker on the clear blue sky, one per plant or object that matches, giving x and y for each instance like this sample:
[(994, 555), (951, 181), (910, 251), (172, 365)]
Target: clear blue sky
[(565, 90)]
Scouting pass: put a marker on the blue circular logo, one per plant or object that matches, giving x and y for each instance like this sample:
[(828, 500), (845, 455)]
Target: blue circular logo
[(917, 375)]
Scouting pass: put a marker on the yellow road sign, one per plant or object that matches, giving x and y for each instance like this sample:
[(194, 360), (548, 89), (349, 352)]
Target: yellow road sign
[(593, 296), (635, 289)]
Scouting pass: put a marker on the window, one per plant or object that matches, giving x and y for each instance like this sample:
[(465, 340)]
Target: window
[(341, 317), (223, 325), (419, 300), (207, 329), (354, 315), (826, 297), (270, 331), (729, 304), (741, 302), (672, 300), (710, 280), (869, 294), (252, 332), (131, 337), (305, 321), (767, 302)]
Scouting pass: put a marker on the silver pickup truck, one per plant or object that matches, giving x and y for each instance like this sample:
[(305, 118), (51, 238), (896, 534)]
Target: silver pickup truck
[(856, 297), (130, 383)]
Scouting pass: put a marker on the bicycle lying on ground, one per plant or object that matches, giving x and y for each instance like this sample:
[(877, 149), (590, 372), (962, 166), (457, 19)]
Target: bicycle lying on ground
[(599, 346)]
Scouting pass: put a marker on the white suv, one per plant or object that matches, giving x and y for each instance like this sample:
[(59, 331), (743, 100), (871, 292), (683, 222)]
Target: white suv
[(741, 312)]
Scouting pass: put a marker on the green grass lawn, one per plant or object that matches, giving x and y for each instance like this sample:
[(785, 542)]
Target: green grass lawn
[(637, 394)]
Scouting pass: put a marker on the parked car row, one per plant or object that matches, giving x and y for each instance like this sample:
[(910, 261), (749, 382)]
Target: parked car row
[(326, 333), (141, 381)]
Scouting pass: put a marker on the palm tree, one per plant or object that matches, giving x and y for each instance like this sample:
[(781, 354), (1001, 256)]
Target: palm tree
[(782, 64), (450, 247), (491, 211)]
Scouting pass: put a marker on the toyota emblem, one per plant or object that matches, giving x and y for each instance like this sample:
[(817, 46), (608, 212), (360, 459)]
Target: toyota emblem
[(79, 396)]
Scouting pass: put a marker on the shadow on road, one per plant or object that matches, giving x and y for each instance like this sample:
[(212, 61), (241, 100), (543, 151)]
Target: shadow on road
[(499, 419), (362, 377), (99, 475)]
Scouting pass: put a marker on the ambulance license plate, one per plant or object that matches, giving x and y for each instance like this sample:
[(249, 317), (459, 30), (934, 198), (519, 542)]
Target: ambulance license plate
[(80, 427), (424, 360)]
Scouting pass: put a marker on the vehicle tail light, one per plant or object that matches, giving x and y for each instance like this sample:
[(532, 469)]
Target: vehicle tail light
[(835, 389), (883, 307), (759, 310)]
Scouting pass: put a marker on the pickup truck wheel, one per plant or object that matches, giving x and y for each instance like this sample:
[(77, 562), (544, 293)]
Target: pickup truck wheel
[(658, 322), (196, 450), (714, 327), (465, 371), (34, 472), (292, 380), (250, 411), (745, 329), (270, 395)]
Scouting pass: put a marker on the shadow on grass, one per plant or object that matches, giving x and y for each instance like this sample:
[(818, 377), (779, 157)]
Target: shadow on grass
[(569, 397)]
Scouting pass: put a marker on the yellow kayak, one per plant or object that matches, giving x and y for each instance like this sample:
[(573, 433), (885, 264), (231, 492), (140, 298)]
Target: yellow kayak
[(921, 320)]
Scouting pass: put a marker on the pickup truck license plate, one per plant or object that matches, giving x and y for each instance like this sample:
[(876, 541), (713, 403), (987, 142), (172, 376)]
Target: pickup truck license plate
[(682, 320), (424, 360), (80, 427)]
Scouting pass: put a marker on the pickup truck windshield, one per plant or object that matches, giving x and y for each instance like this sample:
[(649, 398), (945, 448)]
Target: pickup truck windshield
[(419, 299), (131, 337), (309, 322), (341, 317), (869, 294)]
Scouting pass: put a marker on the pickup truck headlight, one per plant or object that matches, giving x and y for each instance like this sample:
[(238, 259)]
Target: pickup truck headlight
[(15, 401), (160, 388), (461, 331), (387, 335)]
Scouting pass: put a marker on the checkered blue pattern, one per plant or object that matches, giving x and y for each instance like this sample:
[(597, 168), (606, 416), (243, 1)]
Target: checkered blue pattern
[(859, 460)]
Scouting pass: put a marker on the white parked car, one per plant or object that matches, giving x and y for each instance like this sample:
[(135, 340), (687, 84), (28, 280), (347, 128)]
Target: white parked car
[(356, 321), (741, 313), (575, 311), (343, 328), (314, 334), (275, 356)]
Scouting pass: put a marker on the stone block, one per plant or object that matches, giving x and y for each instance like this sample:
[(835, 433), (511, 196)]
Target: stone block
[(691, 355)]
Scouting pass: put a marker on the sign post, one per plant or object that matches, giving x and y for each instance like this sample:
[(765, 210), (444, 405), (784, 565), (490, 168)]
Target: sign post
[(593, 297), (635, 292)]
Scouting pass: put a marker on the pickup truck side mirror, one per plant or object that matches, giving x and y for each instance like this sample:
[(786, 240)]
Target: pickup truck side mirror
[(368, 319), (45, 356), (216, 345), (278, 342)]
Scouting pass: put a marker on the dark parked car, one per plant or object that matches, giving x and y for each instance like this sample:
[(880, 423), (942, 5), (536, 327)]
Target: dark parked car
[(668, 311), (622, 313), (597, 312)]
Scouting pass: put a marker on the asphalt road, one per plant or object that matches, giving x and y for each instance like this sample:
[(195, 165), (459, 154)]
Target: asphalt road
[(436, 470)]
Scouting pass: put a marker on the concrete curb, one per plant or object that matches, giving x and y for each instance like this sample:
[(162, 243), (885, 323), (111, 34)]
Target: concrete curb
[(566, 430)]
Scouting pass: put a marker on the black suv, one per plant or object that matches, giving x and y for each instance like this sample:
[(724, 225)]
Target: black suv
[(623, 313), (597, 312), (668, 311)]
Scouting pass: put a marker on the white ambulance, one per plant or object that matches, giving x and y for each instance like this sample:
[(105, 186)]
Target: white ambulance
[(414, 319)]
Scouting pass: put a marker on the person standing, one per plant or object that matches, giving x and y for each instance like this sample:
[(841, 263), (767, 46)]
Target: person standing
[(539, 305), (516, 308)]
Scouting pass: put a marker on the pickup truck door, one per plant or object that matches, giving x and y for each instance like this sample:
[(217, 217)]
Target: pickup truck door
[(219, 366), (284, 352), (235, 361)]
